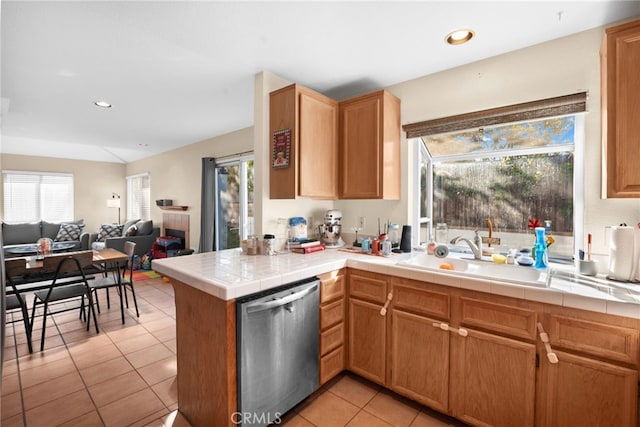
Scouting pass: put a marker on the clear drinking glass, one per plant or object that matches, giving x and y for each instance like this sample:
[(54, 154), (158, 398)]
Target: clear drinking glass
[(442, 232)]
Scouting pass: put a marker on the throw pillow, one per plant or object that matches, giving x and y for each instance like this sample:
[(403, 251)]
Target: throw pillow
[(69, 232), (109, 230), (131, 231), (129, 224), (145, 228)]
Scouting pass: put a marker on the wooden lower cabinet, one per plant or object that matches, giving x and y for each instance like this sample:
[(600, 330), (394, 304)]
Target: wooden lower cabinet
[(478, 357), (493, 380), (419, 359), (580, 391), (367, 340)]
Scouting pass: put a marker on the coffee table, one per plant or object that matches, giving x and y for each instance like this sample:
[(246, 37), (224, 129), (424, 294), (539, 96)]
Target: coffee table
[(32, 248)]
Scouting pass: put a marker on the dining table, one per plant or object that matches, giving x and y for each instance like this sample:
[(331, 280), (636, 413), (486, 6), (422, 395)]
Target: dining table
[(104, 261), (103, 256)]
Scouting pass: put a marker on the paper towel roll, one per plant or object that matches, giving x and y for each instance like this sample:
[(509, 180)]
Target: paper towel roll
[(621, 254), (635, 276)]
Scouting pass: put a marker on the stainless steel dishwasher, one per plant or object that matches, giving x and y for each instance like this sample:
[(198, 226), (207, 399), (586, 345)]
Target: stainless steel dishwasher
[(277, 351)]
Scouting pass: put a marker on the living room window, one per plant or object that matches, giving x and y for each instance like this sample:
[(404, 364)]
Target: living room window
[(37, 196), (139, 196), (508, 171)]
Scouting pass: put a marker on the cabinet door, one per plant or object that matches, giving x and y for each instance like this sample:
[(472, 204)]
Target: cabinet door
[(367, 340), (318, 151), (588, 392), (621, 109), (282, 115), (361, 174), (492, 380), (419, 358), (312, 121)]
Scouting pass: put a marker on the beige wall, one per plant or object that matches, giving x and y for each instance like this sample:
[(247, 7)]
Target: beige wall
[(559, 67), (94, 182), (177, 174)]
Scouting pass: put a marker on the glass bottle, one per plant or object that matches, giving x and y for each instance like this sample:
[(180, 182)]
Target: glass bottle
[(394, 234)]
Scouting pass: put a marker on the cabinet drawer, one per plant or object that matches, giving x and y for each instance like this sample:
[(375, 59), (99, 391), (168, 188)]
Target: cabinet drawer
[(331, 364), (331, 338), (608, 341), (506, 319), (331, 314), (421, 301), (331, 286), (367, 288)]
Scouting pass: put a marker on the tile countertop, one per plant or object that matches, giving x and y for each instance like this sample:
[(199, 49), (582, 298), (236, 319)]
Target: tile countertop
[(229, 274)]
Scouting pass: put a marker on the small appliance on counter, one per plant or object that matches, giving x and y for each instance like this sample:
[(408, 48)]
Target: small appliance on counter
[(331, 228)]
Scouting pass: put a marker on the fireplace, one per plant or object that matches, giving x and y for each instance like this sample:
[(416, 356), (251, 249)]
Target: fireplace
[(180, 234), (176, 225)]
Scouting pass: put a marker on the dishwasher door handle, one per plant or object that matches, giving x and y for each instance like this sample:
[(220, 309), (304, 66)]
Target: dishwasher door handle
[(261, 306)]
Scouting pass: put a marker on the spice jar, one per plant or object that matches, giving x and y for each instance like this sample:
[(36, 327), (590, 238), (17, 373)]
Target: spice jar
[(268, 244), (252, 245)]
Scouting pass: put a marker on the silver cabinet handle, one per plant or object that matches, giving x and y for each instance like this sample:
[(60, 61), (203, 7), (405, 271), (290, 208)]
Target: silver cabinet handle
[(277, 302)]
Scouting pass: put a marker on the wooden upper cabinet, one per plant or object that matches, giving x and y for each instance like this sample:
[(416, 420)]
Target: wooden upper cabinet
[(370, 147), (620, 80), (312, 121)]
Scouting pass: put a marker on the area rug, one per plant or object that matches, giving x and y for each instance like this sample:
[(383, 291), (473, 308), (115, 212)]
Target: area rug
[(145, 275)]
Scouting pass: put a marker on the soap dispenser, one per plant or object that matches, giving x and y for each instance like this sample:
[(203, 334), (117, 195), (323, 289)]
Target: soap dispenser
[(540, 248)]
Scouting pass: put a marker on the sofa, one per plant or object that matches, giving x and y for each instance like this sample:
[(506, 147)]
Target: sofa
[(141, 232), (28, 233)]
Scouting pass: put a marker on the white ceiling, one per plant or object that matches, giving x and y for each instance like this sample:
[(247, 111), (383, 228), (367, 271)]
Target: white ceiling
[(182, 72)]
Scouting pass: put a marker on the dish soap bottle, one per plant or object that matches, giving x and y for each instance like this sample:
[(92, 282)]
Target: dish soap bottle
[(540, 248)]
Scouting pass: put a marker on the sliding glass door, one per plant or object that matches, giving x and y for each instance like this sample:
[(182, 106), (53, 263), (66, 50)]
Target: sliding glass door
[(234, 192)]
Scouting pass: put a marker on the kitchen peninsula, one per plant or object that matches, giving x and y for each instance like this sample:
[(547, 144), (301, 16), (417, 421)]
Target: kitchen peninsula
[(468, 331)]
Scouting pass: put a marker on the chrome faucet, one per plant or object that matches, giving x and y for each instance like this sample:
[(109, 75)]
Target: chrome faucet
[(476, 245)]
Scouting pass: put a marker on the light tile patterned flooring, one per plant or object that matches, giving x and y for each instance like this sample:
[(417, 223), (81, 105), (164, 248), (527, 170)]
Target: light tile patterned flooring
[(126, 376)]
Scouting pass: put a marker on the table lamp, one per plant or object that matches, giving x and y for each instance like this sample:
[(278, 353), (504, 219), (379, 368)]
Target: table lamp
[(114, 202)]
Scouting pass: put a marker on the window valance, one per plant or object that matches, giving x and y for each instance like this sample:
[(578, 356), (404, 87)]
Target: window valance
[(558, 106)]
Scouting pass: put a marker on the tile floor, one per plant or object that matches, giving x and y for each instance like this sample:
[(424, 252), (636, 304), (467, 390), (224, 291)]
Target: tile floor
[(126, 376)]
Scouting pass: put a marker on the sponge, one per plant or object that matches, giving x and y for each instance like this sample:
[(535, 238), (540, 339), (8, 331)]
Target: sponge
[(498, 258)]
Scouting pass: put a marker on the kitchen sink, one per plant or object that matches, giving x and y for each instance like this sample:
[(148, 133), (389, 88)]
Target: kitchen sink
[(482, 269)]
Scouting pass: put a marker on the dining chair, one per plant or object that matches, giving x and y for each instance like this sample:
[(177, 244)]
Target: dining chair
[(69, 282), (127, 275), (120, 277), (14, 270)]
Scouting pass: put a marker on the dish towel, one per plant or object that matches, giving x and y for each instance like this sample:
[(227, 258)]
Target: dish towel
[(622, 257)]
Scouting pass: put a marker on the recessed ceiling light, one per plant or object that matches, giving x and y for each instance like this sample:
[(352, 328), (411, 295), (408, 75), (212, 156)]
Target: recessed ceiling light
[(142, 144), (102, 104), (459, 36)]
